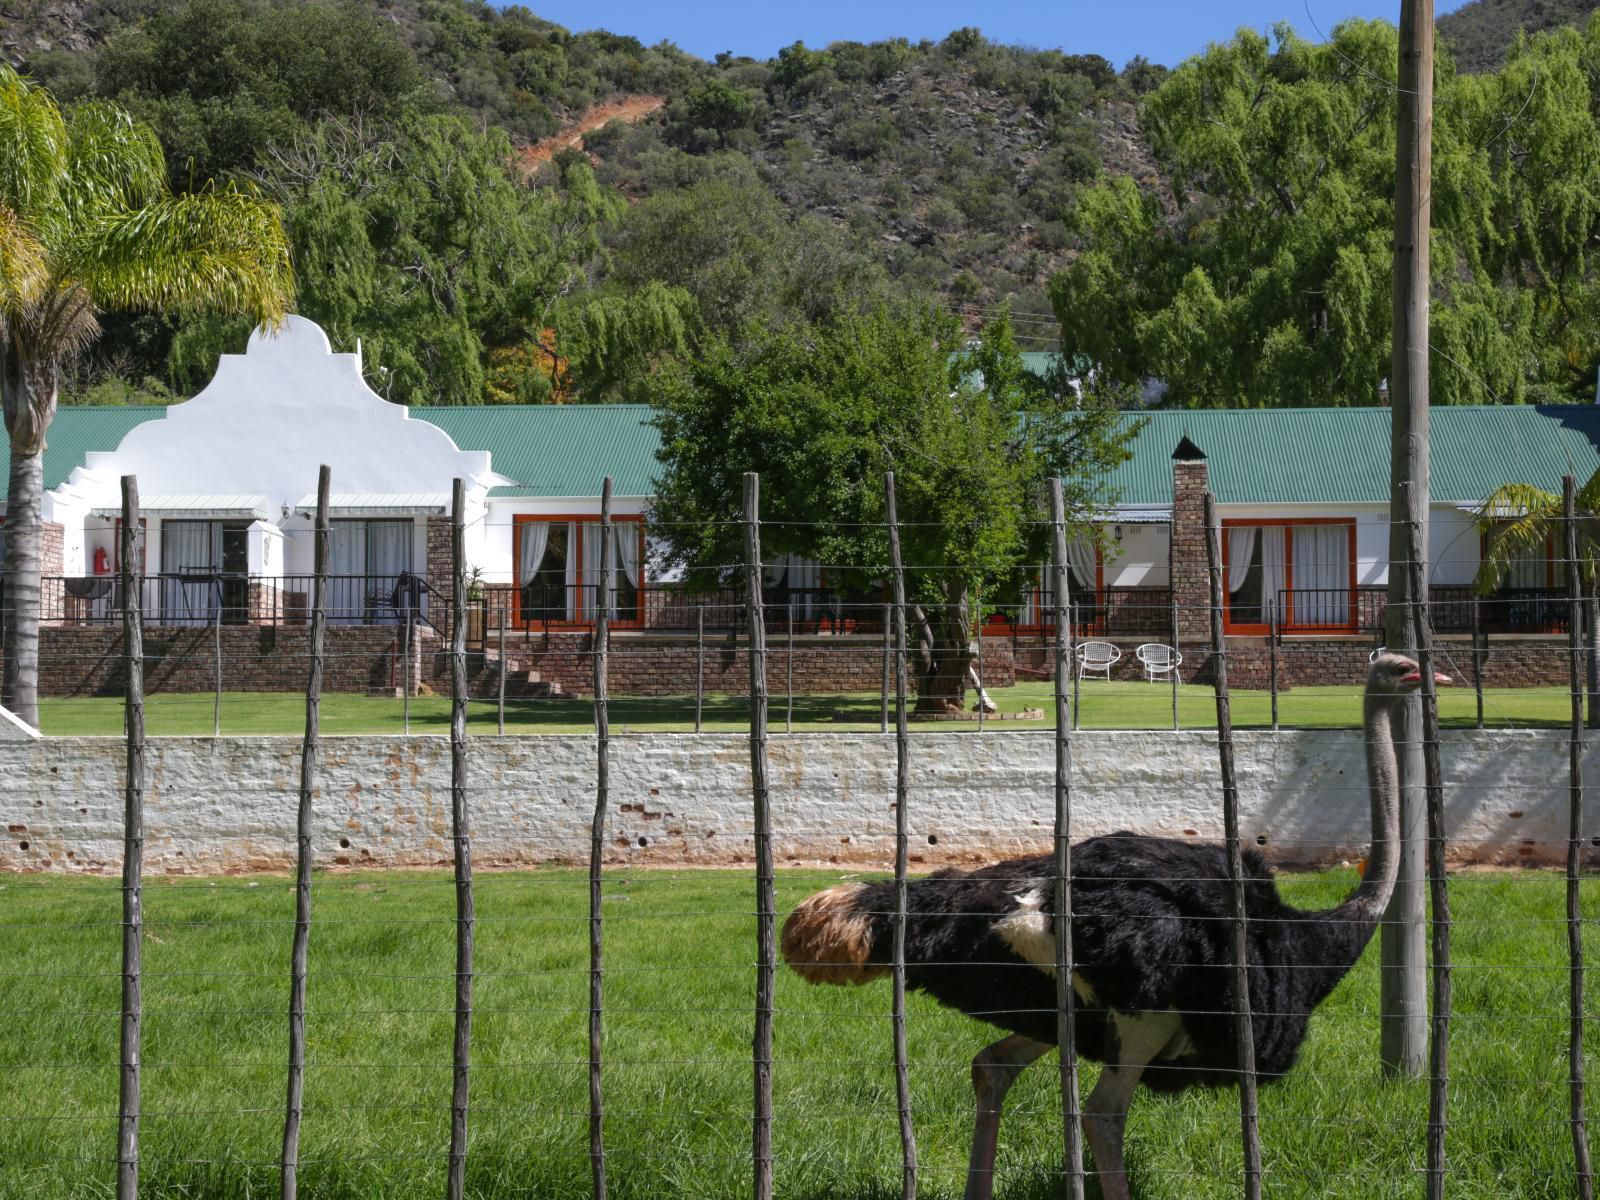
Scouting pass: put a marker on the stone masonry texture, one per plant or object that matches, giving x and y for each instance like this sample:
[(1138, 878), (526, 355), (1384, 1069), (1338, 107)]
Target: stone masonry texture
[(228, 804)]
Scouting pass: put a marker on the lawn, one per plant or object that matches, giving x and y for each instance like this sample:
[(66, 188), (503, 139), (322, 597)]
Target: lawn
[(679, 988), (1116, 705)]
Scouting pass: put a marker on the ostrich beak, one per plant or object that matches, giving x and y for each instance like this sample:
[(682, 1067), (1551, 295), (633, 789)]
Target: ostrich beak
[(1439, 677)]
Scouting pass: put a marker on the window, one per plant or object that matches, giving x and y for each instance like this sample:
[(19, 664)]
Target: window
[(204, 567), (557, 569), (366, 560), (1299, 575)]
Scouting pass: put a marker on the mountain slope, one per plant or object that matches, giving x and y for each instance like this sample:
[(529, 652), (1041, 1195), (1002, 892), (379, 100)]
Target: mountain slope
[(1480, 33)]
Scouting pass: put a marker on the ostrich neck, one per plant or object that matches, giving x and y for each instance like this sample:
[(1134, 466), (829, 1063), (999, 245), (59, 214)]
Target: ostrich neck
[(1367, 902)]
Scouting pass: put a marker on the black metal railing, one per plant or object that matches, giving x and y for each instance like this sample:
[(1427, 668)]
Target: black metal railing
[(204, 598)]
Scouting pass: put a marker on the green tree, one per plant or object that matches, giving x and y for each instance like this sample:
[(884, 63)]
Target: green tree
[(1520, 521), (823, 411), (221, 80), (87, 222), (746, 262), (417, 238), (1263, 275)]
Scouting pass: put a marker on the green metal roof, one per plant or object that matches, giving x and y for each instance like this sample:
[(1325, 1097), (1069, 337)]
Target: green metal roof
[(1256, 456), (1341, 455), (76, 431), (558, 449)]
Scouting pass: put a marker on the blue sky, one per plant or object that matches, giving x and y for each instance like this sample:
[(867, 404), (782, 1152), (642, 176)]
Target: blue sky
[(1165, 31)]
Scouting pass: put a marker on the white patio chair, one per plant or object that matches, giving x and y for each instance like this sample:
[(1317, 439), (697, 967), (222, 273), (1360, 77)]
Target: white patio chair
[(1159, 659), (1097, 656)]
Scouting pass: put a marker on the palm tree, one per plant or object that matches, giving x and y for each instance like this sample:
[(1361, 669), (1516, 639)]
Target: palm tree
[(1520, 520), (87, 223)]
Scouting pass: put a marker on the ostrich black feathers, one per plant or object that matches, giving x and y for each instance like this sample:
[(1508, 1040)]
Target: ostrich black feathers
[(1150, 933)]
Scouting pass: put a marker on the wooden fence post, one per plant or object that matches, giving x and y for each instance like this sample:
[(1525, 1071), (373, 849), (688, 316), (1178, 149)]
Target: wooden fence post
[(788, 662), (766, 949), (461, 1056), (132, 845), (1066, 998), (902, 764), (1439, 1042), (289, 1179), (602, 731), (1243, 1034), (500, 705), (405, 660), (1580, 1132)]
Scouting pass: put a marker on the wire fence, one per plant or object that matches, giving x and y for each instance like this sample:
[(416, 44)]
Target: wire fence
[(628, 1031)]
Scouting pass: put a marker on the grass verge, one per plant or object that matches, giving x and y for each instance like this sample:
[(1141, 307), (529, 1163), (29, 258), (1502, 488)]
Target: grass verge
[(679, 987), (1115, 705)]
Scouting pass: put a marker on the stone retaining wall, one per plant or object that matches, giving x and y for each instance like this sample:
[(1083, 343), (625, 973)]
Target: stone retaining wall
[(229, 804)]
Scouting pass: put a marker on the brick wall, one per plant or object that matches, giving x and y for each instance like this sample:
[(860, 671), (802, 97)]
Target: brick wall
[(1310, 662), (652, 665), (441, 571), (1191, 583), (52, 537), (88, 661)]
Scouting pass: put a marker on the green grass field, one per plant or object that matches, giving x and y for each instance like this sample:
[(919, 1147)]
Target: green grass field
[(679, 991), (1103, 705)]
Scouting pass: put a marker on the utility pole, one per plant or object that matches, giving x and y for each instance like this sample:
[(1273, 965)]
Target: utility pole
[(1403, 937)]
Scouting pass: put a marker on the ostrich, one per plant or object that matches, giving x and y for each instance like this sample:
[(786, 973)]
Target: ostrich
[(1153, 950)]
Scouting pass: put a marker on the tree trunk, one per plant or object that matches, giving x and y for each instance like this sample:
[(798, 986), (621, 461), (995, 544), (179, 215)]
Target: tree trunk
[(28, 397), (24, 501), (942, 679)]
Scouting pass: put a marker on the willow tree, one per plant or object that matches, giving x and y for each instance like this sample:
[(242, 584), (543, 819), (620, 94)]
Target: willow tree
[(1523, 523), (822, 411), (87, 223)]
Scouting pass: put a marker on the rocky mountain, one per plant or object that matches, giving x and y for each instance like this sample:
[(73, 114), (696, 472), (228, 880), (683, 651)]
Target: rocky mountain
[(1479, 33)]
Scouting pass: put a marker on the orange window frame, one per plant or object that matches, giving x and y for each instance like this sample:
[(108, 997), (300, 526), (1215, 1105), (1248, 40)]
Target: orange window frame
[(1290, 625), (1549, 572), (578, 520)]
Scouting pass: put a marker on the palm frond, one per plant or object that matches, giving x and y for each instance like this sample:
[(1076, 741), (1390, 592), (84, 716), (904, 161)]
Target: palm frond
[(33, 147), (115, 162), (215, 251), (24, 265), (1517, 518)]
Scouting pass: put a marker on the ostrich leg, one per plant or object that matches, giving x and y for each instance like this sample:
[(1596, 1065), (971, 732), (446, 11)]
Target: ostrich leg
[(994, 1070), (1140, 1037)]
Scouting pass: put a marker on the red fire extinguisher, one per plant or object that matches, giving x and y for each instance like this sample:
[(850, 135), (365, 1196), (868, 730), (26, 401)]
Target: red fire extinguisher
[(102, 561)]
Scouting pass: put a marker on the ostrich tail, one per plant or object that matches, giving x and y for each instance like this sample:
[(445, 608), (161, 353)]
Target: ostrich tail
[(828, 939)]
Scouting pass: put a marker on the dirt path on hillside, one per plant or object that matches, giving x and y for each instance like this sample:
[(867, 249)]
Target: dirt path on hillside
[(629, 108)]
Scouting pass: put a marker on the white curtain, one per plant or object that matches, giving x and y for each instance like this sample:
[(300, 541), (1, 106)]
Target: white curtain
[(1272, 573), (591, 569), (533, 537), (347, 563), (388, 548), (190, 548), (1321, 574), (1241, 555), (628, 553), (1081, 564)]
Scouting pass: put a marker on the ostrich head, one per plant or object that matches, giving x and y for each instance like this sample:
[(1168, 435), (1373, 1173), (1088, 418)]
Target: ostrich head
[(1395, 675)]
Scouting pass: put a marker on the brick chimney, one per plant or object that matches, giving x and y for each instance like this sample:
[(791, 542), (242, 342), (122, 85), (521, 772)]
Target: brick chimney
[(1191, 585)]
